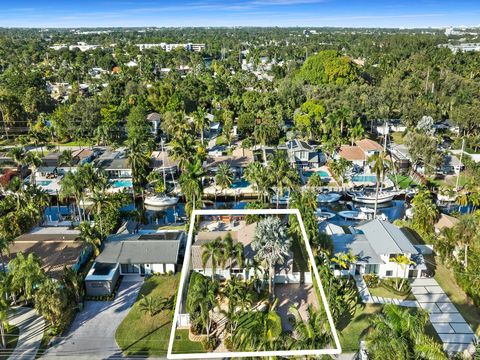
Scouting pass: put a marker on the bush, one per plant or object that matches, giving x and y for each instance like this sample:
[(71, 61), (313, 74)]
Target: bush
[(209, 344), (228, 343), (372, 280)]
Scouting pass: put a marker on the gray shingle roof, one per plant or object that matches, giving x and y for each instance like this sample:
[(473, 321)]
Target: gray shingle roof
[(359, 246), (159, 248), (385, 238)]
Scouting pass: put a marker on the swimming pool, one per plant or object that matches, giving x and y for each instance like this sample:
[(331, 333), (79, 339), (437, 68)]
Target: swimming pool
[(44, 182), (323, 174), (122, 183), (364, 178), (238, 184)]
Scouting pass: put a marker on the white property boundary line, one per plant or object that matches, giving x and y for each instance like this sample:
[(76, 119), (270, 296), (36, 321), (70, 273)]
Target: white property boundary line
[(185, 271)]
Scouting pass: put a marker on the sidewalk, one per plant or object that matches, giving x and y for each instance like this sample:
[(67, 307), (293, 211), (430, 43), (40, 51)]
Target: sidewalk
[(30, 326), (451, 327)]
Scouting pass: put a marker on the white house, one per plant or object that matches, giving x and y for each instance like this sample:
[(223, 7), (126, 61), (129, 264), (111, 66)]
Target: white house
[(375, 244), (154, 119), (304, 155)]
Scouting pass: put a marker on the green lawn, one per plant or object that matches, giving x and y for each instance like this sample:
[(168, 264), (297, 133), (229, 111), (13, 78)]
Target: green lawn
[(353, 329), (11, 338), (397, 137), (183, 345), (384, 292), (403, 181), (141, 334), (464, 304)]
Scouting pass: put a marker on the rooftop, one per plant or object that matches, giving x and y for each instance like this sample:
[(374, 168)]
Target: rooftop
[(351, 153), (369, 145)]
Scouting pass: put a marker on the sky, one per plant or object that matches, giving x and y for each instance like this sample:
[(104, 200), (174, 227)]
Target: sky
[(303, 13)]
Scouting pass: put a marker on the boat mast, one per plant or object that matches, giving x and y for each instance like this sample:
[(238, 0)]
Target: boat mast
[(163, 165), (460, 169)]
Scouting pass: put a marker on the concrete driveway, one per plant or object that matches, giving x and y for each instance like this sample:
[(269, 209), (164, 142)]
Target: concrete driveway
[(299, 295), (92, 333)]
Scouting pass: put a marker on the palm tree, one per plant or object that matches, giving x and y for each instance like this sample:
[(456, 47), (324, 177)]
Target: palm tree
[(182, 149), (213, 251), (138, 160), (71, 185), (17, 154), (467, 230), (4, 316), (397, 333), (73, 282), (201, 122), (357, 132), (258, 176), (313, 333), (66, 158), (272, 244), (258, 330), (315, 181), (33, 160), (149, 305), (425, 212), (101, 201), (306, 203), (204, 298), (261, 135), (224, 176), (380, 165), (402, 261), (191, 184), (26, 273), (446, 243), (90, 236), (232, 251), (281, 174)]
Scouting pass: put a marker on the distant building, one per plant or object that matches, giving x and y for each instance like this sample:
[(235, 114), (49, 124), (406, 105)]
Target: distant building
[(304, 155)]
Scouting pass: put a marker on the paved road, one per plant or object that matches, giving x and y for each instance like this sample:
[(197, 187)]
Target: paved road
[(92, 334), (30, 326), (450, 325)]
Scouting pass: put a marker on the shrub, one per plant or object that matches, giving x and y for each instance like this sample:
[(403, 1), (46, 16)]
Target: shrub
[(209, 344), (372, 280)]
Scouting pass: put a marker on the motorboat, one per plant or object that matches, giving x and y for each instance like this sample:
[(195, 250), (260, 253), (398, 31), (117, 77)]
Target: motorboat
[(282, 200), (371, 198), (328, 197), (324, 215), (160, 200), (354, 215), (446, 198)]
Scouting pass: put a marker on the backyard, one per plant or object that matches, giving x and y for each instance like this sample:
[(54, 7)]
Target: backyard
[(142, 334), (351, 330)]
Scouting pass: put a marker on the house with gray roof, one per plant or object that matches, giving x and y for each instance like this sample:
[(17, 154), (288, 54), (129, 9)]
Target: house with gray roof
[(304, 155), (137, 255), (375, 244)]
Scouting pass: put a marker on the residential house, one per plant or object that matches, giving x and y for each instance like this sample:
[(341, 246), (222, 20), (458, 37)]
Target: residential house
[(238, 161), (134, 255), (353, 154), (154, 119), (161, 161), (304, 155), (451, 165), (283, 272), (375, 244), (445, 221), (115, 164), (401, 157), (369, 147), (56, 247)]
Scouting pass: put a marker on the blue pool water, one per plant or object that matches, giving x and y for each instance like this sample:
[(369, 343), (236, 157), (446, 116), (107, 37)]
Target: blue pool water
[(237, 184), (364, 178), (44, 182), (122, 183), (323, 174)]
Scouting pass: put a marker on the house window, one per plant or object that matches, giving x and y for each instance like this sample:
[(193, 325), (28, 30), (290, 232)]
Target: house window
[(371, 268), (389, 273)]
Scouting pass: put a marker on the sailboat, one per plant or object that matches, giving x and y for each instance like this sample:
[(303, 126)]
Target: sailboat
[(161, 199)]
